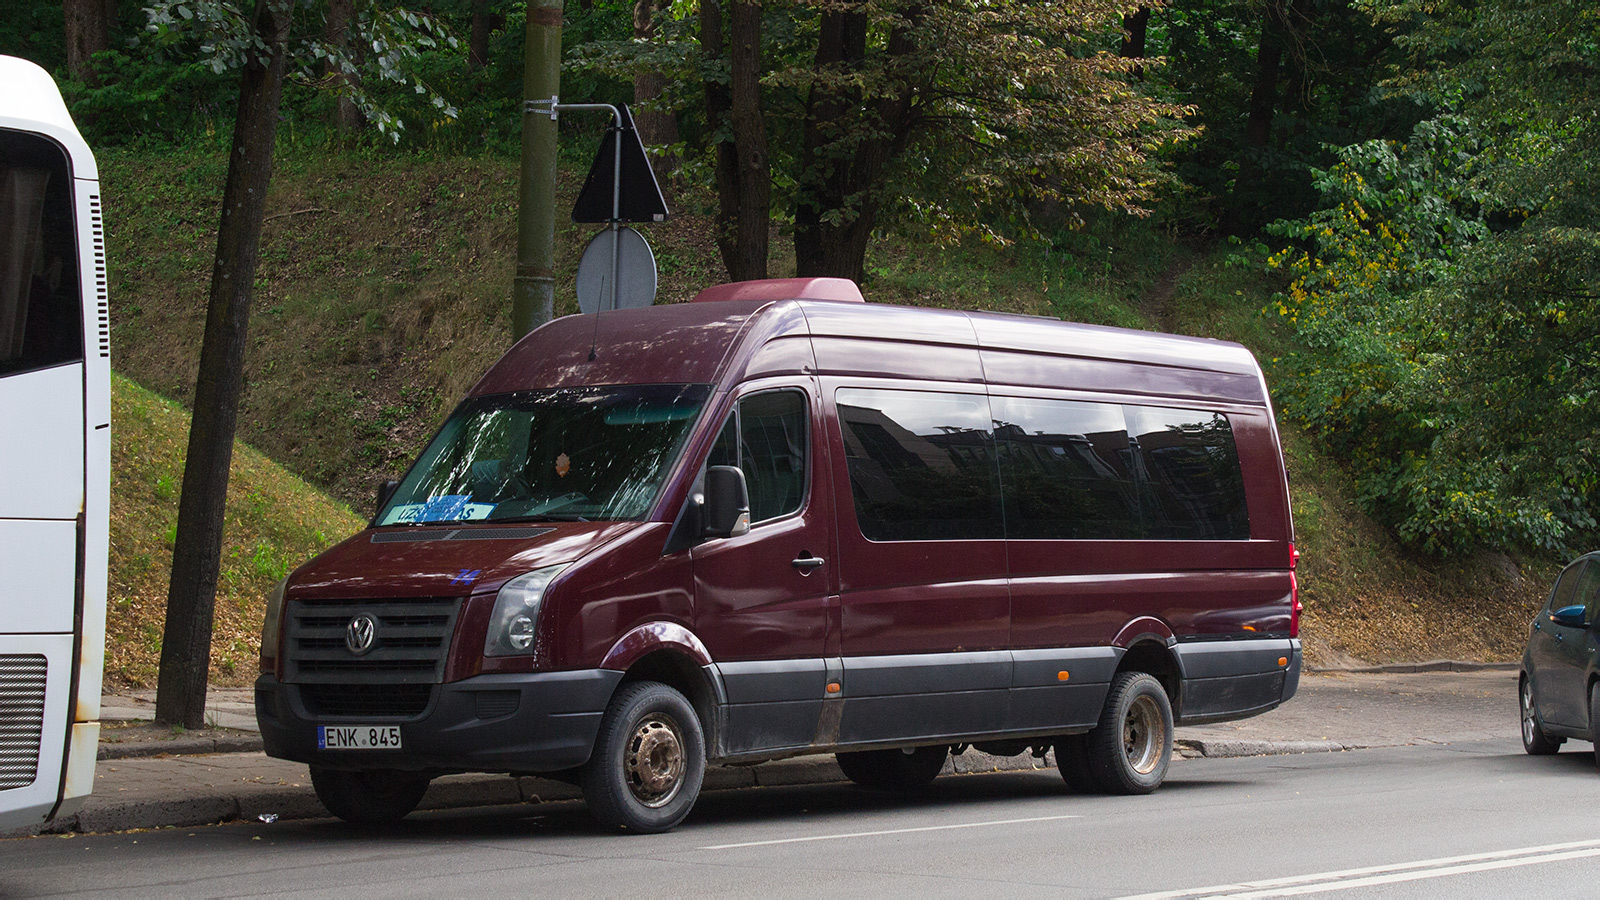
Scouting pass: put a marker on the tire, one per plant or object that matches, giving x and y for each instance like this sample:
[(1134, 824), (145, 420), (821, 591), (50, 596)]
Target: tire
[(1594, 722), (1072, 760), (371, 797), (1534, 739), (1130, 749), (649, 760), (894, 770)]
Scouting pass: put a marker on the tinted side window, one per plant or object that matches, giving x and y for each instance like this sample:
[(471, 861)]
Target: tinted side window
[(766, 438), (41, 316), (1192, 487), (922, 464), (1588, 592), (1567, 587), (1067, 469)]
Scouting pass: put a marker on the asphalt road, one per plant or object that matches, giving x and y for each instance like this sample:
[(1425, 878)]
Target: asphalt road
[(1466, 819)]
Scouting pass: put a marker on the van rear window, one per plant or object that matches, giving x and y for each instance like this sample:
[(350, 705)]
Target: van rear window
[(586, 453), (924, 466)]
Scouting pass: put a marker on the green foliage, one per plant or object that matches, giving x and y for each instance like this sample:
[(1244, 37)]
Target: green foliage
[(1016, 107), (1450, 299)]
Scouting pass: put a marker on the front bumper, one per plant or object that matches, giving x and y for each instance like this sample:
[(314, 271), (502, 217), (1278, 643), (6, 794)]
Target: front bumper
[(540, 722)]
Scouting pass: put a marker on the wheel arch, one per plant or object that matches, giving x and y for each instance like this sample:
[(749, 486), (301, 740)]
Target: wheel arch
[(1156, 659), (695, 683)]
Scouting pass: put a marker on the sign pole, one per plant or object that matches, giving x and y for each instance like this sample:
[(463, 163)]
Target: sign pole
[(533, 293)]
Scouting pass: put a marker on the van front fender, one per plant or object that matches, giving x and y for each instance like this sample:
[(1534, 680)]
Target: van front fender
[(646, 639)]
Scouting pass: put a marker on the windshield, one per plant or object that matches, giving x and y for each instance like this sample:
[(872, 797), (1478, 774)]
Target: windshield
[(571, 454)]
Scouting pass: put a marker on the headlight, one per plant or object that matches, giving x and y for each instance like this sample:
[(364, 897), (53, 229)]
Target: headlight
[(516, 613), (269, 627)]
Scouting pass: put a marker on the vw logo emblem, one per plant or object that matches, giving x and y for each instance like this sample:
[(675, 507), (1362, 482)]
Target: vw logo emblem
[(360, 634)]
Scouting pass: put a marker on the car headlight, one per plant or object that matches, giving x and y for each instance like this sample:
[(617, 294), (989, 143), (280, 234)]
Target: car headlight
[(516, 613), (271, 625)]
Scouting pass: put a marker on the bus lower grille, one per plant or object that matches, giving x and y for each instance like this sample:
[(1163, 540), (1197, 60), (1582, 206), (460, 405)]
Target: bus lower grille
[(22, 680)]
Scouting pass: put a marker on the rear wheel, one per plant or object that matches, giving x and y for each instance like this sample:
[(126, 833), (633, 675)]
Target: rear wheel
[(371, 797), (1131, 747), (649, 760), (1594, 722), (894, 770), (1534, 739)]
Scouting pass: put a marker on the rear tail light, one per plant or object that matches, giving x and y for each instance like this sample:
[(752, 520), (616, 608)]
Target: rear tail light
[(1294, 593)]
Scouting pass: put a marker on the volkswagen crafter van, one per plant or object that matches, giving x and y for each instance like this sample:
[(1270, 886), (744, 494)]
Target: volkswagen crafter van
[(780, 521)]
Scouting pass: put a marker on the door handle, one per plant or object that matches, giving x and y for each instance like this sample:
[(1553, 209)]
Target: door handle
[(807, 563)]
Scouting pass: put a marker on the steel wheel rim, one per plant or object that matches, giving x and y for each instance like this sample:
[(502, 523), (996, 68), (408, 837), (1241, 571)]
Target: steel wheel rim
[(653, 762), (1143, 735), (1526, 695)]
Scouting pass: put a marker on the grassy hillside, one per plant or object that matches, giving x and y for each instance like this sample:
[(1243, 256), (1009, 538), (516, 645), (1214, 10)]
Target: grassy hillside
[(384, 294), (275, 521)]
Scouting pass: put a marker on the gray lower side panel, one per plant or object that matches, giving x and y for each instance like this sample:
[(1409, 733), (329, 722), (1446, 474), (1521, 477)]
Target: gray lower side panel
[(910, 717), (751, 727)]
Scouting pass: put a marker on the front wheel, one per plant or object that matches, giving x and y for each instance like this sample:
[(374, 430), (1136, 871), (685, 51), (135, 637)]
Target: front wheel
[(1130, 749), (1534, 739), (649, 760), (893, 770), (371, 797)]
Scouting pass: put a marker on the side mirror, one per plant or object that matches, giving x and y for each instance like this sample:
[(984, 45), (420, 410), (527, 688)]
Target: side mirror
[(386, 490), (727, 505), (1570, 616)]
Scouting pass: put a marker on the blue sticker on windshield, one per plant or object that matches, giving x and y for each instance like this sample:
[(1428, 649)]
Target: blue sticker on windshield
[(446, 508)]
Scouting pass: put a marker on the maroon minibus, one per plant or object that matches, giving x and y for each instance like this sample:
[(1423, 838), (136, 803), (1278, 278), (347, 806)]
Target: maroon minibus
[(781, 521)]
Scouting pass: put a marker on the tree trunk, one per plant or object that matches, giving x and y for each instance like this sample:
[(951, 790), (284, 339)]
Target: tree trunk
[(88, 31), (750, 141), (484, 24), (719, 108), (1269, 56), (196, 553), (346, 115), (657, 128), (848, 145), (1135, 27)]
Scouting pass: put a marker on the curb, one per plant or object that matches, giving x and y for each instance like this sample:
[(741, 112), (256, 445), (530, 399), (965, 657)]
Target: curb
[(253, 802), (1435, 665), (268, 804), (180, 746), (1229, 748)]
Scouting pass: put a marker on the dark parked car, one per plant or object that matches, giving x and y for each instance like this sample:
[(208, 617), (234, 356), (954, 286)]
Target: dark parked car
[(1562, 663)]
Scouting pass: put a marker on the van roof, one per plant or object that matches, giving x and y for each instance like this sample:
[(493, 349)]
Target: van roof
[(727, 341)]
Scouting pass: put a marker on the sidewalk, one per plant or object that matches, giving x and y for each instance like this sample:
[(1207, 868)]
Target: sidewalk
[(151, 777)]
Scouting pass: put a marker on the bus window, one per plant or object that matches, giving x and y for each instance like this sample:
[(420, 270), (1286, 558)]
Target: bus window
[(40, 307)]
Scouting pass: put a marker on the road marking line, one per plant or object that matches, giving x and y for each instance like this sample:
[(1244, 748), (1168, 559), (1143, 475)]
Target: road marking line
[(1416, 875), (858, 834), (1370, 875)]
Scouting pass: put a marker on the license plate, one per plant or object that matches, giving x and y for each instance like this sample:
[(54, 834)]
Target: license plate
[(358, 737)]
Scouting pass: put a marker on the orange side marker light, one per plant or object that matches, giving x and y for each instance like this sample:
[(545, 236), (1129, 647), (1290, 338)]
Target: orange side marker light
[(1063, 676), (833, 687), (1283, 660)]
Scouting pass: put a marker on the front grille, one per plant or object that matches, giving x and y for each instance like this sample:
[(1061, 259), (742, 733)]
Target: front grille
[(21, 718), (385, 701), (410, 641)]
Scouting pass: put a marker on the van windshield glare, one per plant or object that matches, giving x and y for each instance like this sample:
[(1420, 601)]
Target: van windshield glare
[(581, 454)]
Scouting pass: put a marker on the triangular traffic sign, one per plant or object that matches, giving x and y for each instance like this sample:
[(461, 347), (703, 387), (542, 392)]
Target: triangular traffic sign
[(640, 200)]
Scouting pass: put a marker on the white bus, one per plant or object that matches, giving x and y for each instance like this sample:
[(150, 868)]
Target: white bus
[(55, 451)]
